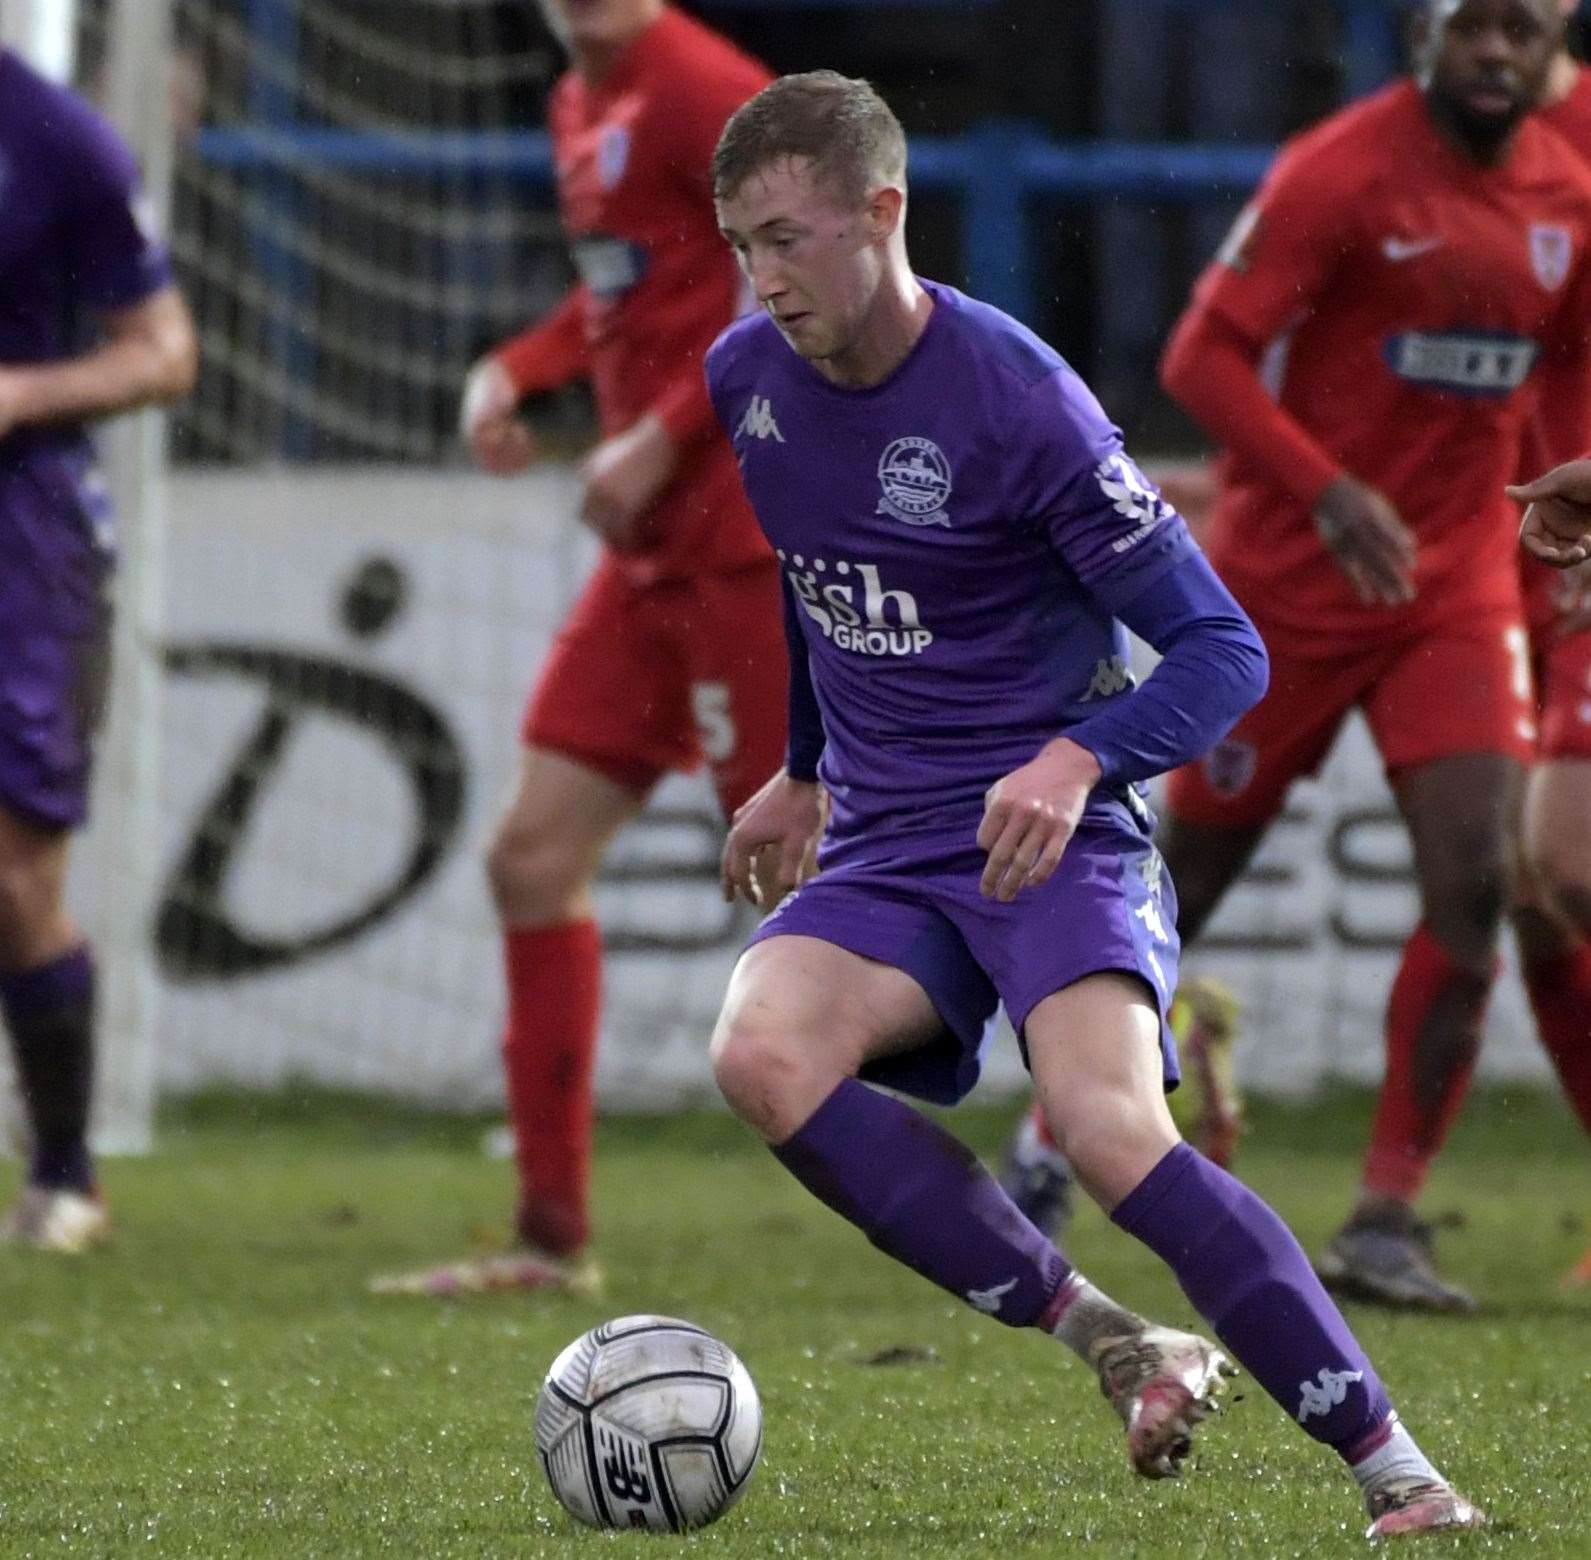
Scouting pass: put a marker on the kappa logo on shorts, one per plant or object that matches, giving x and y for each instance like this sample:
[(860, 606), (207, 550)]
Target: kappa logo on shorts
[(1229, 766), (915, 477)]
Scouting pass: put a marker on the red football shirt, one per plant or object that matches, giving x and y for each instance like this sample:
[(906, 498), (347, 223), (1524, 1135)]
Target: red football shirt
[(657, 282), (1408, 298)]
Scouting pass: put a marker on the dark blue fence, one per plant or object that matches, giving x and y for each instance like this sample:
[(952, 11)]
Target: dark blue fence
[(995, 170)]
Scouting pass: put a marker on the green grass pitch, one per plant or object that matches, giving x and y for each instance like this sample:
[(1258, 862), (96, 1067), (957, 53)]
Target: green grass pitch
[(220, 1385)]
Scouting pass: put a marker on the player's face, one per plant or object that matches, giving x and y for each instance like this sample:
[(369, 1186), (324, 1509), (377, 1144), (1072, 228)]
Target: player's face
[(814, 261), (598, 24), (1484, 63)]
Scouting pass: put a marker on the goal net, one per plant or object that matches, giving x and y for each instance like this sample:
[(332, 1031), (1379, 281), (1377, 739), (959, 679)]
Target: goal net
[(347, 618)]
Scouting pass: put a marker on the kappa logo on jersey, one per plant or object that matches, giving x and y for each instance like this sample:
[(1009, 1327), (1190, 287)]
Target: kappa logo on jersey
[(915, 477), (758, 421), (1132, 497), (1332, 1391), (1471, 363), (1551, 251), (1112, 675), (888, 622)]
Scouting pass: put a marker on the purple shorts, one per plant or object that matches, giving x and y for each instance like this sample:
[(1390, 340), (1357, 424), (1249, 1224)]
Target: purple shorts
[(1110, 906), (54, 639)]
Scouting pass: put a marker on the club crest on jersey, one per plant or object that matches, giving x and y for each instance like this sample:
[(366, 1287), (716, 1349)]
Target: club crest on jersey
[(1551, 250), (613, 155), (915, 477)]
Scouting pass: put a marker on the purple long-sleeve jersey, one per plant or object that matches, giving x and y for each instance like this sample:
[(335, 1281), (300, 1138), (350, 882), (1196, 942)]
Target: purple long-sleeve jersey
[(963, 543), (74, 237)]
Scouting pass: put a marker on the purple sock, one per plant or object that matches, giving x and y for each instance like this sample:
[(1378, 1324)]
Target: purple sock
[(924, 1199), (49, 1011), (1249, 1278)]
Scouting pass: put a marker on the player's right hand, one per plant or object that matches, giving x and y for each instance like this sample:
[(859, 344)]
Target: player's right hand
[(1557, 523), (781, 825), (1369, 541), (489, 421)]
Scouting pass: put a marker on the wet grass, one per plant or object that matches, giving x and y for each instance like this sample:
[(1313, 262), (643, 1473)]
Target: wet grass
[(219, 1384)]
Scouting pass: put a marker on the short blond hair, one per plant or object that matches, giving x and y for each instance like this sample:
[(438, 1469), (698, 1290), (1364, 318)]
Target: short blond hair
[(839, 123)]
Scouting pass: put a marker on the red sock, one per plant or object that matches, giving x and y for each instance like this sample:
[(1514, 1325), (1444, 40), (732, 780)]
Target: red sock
[(549, 1050), (1560, 997), (1433, 1032)]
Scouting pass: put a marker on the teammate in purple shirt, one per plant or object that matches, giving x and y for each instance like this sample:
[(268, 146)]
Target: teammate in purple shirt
[(74, 245), (963, 541)]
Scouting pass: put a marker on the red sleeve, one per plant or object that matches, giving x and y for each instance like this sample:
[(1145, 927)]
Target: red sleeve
[(552, 352), (1282, 252), (1214, 373)]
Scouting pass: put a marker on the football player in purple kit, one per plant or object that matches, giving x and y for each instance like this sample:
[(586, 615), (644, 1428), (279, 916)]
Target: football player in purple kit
[(73, 243), (963, 540)]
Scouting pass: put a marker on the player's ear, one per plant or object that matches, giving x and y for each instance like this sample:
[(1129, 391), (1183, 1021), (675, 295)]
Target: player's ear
[(886, 208)]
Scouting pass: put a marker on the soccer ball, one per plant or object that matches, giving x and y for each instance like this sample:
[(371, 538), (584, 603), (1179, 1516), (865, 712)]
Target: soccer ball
[(648, 1422)]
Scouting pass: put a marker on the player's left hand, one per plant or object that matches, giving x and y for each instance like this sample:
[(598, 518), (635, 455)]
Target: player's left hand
[(1029, 817), (624, 476)]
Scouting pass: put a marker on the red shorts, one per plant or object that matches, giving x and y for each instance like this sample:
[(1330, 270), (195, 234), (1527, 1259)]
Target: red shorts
[(642, 679), (1563, 681), (1461, 688)]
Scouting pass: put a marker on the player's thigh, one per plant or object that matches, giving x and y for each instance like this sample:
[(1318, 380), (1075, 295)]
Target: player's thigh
[(802, 1013), (1454, 718), (730, 645), (561, 807), (1095, 1051), (607, 697), (33, 863), (1557, 837)]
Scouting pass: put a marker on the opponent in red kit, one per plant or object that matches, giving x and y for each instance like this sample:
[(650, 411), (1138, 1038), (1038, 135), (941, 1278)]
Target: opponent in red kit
[(1368, 348), (675, 651)]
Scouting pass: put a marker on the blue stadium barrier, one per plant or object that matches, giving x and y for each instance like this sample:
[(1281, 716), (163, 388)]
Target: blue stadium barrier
[(996, 169)]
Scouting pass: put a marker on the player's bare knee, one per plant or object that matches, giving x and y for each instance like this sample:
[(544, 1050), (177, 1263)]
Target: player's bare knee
[(757, 1071), (534, 873)]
